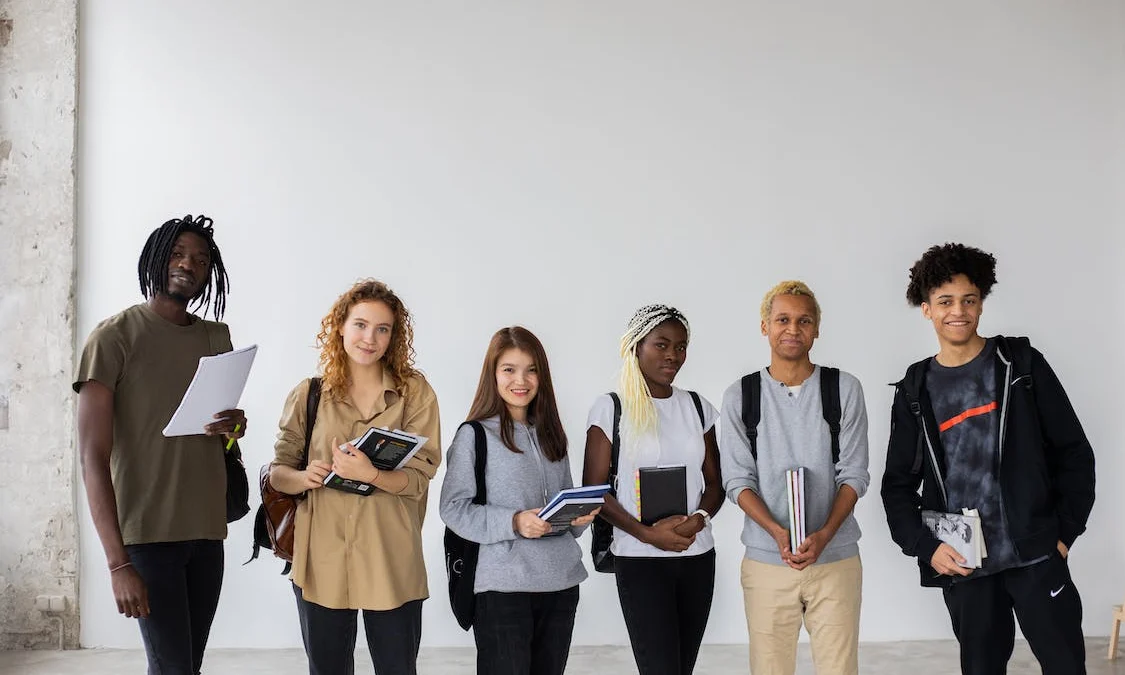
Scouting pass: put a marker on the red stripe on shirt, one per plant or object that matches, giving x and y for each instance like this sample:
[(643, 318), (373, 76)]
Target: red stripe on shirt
[(971, 412)]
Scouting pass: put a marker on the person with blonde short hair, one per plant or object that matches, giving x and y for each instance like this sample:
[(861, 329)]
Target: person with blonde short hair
[(817, 582)]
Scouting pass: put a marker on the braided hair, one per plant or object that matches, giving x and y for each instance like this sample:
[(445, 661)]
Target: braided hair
[(152, 267), (636, 399)]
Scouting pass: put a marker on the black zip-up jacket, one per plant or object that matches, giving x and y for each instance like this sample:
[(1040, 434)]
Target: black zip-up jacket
[(1045, 462)]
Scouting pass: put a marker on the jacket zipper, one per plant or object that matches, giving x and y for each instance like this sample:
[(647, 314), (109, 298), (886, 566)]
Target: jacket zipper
[(1000, 446), (1004, 406), (933, 460)]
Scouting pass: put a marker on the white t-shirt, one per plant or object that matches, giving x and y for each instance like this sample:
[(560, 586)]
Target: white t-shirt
[(678, 440)]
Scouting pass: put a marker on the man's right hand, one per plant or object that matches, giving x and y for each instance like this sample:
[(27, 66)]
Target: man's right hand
[(945, 561), (130, 593), (315, 473), (662, 534)]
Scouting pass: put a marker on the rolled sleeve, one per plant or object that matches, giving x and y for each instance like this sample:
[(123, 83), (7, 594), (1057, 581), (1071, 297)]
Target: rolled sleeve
[(739, 469), (851, 469)]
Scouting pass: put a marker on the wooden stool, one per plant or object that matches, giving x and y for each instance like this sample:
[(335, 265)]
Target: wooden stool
[(1118, 616)]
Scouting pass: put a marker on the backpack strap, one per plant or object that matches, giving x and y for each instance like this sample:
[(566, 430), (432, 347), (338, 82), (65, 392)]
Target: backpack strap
[(312, 405), (615, 443), (911, 387), (752, 408), (698, 408), (480, 447), (830, 406)]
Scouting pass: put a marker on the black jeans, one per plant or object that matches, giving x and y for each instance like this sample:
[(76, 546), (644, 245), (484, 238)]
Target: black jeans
[(666, 602), (183, 580), (393, 637), (524, 633), (1045, 602)]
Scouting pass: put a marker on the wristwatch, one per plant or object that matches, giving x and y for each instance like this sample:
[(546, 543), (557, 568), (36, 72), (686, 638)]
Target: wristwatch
[(706, 516)]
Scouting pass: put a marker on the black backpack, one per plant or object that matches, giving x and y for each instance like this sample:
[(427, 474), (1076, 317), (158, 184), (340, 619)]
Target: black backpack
[(601, 532), (829, 401), (460, 553)]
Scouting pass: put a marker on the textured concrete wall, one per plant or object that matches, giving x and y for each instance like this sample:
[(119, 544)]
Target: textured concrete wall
[(38, 529)]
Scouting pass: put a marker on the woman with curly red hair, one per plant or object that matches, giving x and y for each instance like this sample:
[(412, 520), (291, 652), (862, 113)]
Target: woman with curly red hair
[(355, 552)]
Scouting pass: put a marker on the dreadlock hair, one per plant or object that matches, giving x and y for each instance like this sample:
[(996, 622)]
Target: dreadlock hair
[(152, 267), (793, 287), (940, 264), (542, 412), (399, 357), (636, 399)]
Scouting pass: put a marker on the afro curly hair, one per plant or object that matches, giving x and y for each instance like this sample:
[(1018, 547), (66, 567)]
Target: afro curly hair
[(941, 263)]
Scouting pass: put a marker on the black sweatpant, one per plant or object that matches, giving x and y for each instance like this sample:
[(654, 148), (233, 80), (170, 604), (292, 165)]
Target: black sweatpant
[(524, 633), (183, 580), (666, 602), (1046, 604), (393, 637)]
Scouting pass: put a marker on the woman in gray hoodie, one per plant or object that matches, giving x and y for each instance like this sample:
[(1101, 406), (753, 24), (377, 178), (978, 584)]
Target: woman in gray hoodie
[(526, 583)]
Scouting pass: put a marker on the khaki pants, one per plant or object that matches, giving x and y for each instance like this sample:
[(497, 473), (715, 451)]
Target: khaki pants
[(825, 596)]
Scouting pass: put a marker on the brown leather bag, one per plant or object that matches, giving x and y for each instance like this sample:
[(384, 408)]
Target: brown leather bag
[(275, 520)]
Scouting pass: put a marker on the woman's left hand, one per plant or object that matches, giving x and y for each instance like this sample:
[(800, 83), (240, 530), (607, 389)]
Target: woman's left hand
[(352, 464), (585, 520)]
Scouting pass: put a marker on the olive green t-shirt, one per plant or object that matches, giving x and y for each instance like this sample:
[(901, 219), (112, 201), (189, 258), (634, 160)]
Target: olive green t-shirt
[(168, 489)]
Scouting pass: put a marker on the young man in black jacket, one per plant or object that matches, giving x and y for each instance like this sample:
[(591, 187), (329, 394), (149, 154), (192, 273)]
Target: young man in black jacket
[(986, 425)]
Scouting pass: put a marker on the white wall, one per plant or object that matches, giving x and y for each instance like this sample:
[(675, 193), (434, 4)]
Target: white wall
[(559, 165)]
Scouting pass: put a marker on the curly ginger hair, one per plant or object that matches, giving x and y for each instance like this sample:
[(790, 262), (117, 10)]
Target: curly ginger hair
[(399, 358)]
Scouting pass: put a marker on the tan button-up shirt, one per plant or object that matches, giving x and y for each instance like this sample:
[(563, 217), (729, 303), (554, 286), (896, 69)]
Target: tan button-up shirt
[(352, 551)]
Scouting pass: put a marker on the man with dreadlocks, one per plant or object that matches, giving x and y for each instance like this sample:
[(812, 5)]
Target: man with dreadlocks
[(793, 414), (159, 504), (665, 569)]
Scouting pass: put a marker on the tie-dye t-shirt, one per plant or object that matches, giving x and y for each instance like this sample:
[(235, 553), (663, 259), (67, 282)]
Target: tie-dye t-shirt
[(967, 410)]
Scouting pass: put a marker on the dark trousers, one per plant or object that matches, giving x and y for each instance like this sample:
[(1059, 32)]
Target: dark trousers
[(524, 633), (1044, 601), (666, 602), (183, 580), (393, 637)]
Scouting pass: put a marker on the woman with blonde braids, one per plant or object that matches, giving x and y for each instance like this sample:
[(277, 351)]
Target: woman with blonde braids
[(355, 552), (665, 571)]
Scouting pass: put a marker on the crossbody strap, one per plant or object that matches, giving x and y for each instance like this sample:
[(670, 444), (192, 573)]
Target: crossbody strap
[(312, 404)]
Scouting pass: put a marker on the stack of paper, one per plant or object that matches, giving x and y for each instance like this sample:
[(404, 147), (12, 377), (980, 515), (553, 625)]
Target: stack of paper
[(962, 531), (795, 482)]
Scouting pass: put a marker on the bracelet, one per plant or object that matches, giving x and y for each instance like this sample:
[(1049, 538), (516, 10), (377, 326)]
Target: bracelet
[(706, 516), (120, 567)]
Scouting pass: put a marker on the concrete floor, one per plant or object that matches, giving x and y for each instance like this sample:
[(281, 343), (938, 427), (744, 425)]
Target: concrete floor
[(885, 658)]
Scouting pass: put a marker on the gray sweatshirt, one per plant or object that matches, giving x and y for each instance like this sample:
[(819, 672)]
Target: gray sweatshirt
[(514, 482), (792, 433)]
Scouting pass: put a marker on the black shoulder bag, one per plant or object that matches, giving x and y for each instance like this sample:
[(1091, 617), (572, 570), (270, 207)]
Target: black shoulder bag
[(460, 553)]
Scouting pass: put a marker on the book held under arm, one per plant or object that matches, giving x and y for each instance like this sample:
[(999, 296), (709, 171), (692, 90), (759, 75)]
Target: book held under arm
[(962, 531), (572, 503), (387, 450)]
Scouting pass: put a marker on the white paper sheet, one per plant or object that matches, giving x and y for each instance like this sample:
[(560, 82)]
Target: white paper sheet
[(217, 386)]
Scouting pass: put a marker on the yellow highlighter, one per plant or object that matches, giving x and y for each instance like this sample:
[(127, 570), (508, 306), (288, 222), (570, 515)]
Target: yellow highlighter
[(230, 443)]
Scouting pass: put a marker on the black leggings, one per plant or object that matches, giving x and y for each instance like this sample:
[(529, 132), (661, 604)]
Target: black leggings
[(666, 602)]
